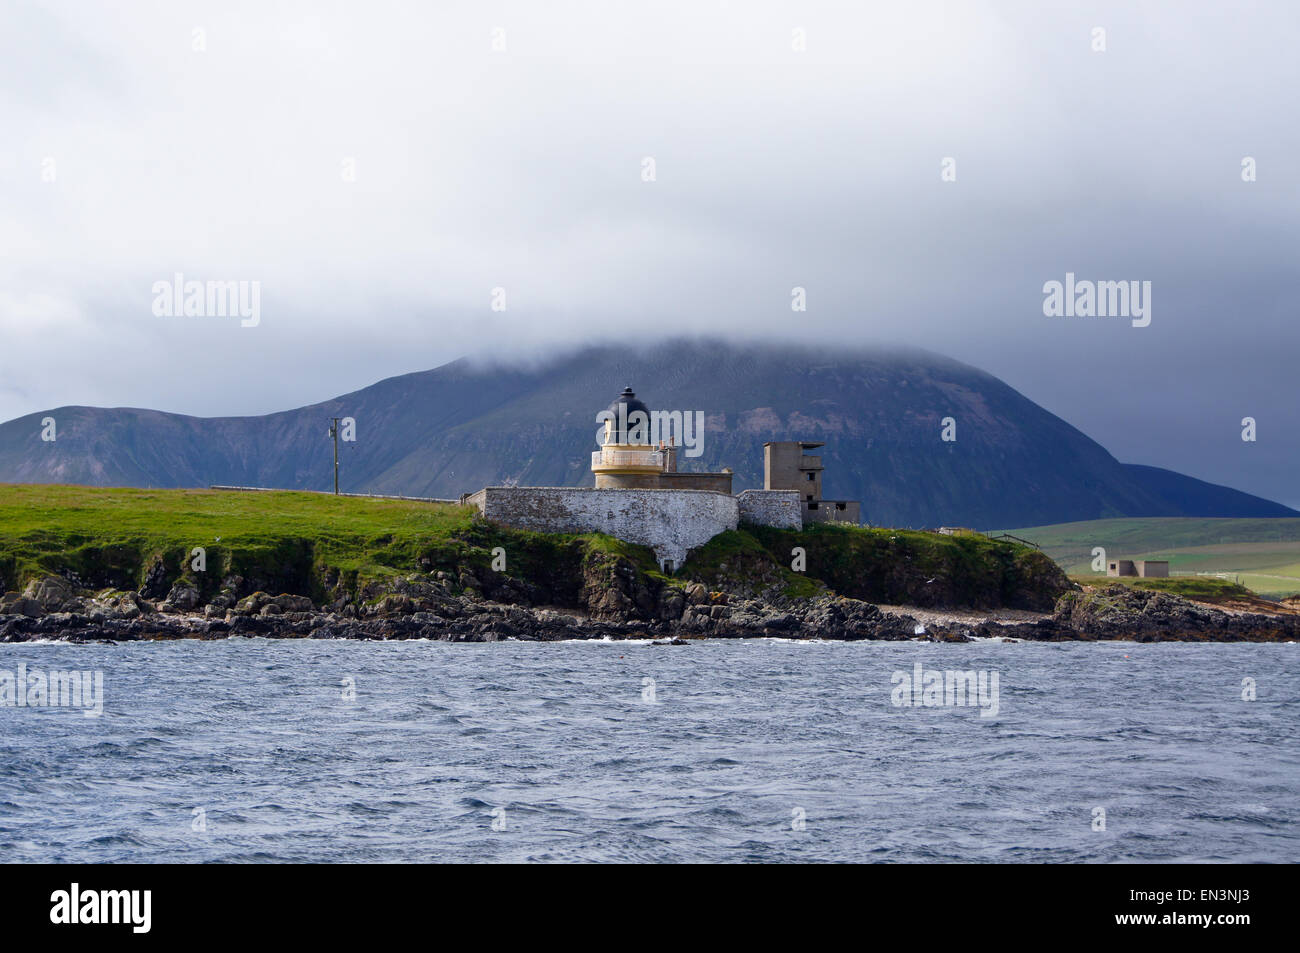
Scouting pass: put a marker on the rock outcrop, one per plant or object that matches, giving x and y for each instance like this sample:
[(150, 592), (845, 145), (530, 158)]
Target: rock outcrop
[(616, 602)]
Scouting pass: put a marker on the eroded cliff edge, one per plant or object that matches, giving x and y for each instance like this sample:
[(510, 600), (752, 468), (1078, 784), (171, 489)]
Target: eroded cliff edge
[(819, 583)]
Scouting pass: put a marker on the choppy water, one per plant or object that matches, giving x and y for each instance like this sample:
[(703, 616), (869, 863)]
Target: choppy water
[(741, 737)]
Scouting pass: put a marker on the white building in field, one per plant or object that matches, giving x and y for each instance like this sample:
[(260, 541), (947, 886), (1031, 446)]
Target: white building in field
[(1148, 568)]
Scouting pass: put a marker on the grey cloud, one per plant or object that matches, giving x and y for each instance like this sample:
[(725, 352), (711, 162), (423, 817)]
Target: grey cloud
[(521, 169)]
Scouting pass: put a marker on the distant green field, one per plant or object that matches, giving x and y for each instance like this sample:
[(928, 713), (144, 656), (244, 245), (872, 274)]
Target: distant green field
[(1262, 554)]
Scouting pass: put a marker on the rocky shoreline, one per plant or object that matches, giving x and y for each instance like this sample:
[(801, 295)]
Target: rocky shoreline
[(617, 605)]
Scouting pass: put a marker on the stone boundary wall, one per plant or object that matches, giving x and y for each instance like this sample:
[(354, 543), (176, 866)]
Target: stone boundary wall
[(670, 522), (778, 508)]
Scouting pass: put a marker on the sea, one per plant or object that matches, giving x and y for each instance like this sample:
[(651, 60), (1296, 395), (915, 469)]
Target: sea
[(254, 750)]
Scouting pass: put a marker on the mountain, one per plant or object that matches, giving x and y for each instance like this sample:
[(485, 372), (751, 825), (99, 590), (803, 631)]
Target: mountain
[(1198, 498), (466, 425)]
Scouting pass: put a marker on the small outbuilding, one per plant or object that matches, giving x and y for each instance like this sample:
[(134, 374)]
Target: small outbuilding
[(1147, 568)]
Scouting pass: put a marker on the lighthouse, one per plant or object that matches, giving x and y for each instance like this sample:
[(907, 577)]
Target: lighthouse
[(626, 458), (641, 497)]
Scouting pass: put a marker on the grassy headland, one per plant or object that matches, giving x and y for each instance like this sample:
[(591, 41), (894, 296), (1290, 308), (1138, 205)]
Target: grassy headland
[(321, 546), (294, 542), (893, 566)]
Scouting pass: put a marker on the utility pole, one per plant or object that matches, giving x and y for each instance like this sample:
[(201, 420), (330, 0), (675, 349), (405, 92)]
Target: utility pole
[(334, 434)]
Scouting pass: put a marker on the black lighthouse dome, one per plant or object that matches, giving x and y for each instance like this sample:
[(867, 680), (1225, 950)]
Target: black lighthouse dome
[(632, 402), (621, 424)]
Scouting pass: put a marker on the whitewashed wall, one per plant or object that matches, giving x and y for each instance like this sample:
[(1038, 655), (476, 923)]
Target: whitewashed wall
[(670, 522)]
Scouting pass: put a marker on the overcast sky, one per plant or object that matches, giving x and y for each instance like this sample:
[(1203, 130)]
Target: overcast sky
[(127, 155)]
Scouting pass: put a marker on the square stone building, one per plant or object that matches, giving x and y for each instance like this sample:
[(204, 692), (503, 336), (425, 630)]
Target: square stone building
[(787, 466)]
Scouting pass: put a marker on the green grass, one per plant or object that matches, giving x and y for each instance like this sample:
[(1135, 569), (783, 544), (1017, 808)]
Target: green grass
[(110, 536), (736, 553), (1201, 588), (282, 541), (641, 556), (894, 566), (1264, 554), (323, 546)]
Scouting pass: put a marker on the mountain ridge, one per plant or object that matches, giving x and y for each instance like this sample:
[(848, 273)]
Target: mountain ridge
[(466, 424)]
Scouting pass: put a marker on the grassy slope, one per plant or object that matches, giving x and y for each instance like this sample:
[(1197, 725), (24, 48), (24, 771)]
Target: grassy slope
[(1263, 553), (893, 566), (737, 554), (308, 543), (46, 528), (292, 540), (1200, 588)]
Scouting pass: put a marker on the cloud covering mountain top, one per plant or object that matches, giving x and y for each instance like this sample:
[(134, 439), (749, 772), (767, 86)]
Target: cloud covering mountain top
[(380, 168)]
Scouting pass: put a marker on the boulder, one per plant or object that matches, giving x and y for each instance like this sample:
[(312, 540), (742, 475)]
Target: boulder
[(156, 584), (697, 594), (672, 603), (252, 604), (183, 596), (14, 604), (50, 592)]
